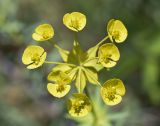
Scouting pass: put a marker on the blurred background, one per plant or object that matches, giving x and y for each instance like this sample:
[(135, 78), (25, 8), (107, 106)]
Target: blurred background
[(24, 100)]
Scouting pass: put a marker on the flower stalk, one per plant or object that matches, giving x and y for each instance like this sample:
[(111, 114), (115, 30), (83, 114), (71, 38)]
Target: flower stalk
[(59, 63)]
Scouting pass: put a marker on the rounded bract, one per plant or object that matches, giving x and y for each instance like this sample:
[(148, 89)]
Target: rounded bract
[(117, 31), (108, 55), (43, 32), (75, 21), (33, 56), (112, 91), (79, 105), (58, 90)]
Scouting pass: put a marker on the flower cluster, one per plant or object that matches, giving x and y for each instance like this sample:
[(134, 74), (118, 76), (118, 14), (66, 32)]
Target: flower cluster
[(79, 66)]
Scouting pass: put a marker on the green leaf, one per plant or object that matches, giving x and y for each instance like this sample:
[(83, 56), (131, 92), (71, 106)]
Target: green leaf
[(91, 75), (64, 53), (92, 51), (93, 63), (80, 80), (70, 71), (59, 77), (77, 55), (63, 68)]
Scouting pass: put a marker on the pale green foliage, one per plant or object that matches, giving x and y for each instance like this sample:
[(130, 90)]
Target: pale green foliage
[(80, 80), (85, 65)]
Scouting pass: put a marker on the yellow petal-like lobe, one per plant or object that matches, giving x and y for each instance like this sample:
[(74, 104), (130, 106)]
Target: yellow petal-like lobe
[(112, 91), (59, 77), (43, 32), (33, 56), (75, 21), (117, 31), (108, 55), (79, 105), (58, 90)]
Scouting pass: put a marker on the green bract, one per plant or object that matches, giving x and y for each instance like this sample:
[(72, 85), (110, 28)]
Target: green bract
[(108, 55)]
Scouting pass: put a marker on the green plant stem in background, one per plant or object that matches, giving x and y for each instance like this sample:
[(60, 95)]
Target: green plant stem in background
[(94, 113), (75, 36)]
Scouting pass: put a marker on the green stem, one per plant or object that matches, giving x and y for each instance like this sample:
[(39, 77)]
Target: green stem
[(56, 46), (95, 121), (50, 62), (75, 36), (103, 40)]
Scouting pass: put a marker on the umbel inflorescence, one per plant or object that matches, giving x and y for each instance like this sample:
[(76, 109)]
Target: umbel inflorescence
[(79, 66)]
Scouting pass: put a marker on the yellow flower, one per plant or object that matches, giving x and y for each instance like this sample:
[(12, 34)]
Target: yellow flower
[(112, 91), (43, 32), (34, 56), (59, 77), (79, 105), (58, 90), (117, 31), (75, 21), (108, 55)]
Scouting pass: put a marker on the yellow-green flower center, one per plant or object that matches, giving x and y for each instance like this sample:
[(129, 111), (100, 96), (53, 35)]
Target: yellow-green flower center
[(45, 35), (74, 24), (36, 58), (110, 93), (106, 58), (60, 88), (116, 34), (78, 106)]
